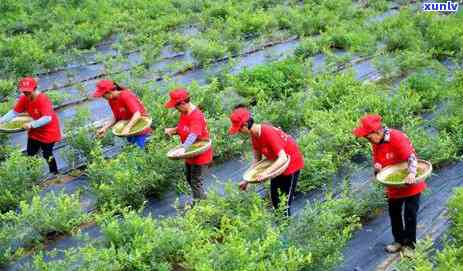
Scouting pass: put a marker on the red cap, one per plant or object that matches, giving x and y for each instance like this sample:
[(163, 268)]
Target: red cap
[(27, 84), (103, 87), (368, 125), (176, 96), (238, 118)]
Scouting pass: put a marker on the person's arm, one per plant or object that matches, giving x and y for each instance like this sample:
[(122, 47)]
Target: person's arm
[(189, 140), (135, 117), (40, 122), (109, 123), (279, 162), (276, 144), (412, 164), (257, 157), (133, 105), (18, 108), (8, 116), (102, 131)]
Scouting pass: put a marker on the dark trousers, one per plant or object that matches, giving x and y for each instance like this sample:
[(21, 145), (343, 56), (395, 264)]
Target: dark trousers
[(195, 178), (283, 185), (33, 147), (404, 227)]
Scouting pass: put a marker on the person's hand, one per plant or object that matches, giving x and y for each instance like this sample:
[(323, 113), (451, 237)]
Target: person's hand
[(179, 152), (261, 177), (170, 131), (101, 132), (378, 166), (243, 185), (410, 179), (27, 126), (126, 130)]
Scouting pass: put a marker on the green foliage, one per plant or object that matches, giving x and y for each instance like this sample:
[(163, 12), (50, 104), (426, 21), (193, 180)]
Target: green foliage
[(277, 80), (57, 97), (50, 215), (18, 175), (308, 47), (132, 175), (80, 137), (456, 214), (449, 258), (54, 213), (7, 87), (235, 229), (323, 229), (206, 51)]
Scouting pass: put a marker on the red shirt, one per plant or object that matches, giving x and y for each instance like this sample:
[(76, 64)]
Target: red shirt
[(398, 149), (272, 140), (195, 122), (125, 105), (40, 107)]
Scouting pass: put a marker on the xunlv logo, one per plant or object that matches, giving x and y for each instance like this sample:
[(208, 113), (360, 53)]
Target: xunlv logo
[(449, 6)]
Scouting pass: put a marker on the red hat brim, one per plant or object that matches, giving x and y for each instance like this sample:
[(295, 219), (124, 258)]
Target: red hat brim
[(360, 132), (26, 89), (234, 130), (170, 104)]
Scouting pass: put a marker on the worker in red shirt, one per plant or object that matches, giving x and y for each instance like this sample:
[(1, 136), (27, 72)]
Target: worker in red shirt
[(389, 147), (125, 105), (44, 131), (191, 127), (276, 146)]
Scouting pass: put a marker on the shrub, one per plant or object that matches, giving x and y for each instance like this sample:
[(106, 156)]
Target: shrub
[(133, 174), (35, 221), (323, 229), (18, 175), (276, 80)]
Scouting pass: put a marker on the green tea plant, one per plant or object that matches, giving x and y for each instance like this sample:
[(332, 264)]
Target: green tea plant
[(330, 226), (35, 221), (58, 97), (449, 258), (80, 137), (54, 213), (132, 175), (278, 79), (235, 229), (7, 87), (18, 175), (308, 47)]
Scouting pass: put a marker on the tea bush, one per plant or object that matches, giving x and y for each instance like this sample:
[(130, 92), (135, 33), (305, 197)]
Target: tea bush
[(18, 176), (235, 230), (35, 221), (449, 258), (276, 80), (133, 174)]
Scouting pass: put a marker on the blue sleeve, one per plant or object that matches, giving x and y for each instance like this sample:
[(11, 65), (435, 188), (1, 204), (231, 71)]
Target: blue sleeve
[(41, 122), (8, 116), (189, 140)]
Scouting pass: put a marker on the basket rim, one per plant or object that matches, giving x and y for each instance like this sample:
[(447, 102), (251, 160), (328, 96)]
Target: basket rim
[(381, 176), (15, 130), (277, 171), (119, 123), (190, 153)]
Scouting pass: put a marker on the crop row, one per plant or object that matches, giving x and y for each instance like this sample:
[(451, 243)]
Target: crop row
[(40, 35), (285, 93)]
